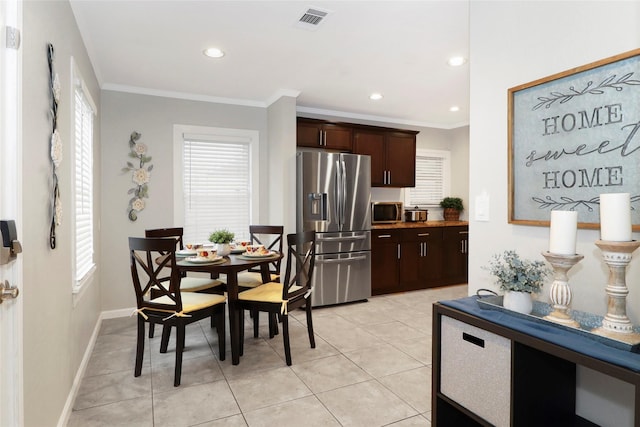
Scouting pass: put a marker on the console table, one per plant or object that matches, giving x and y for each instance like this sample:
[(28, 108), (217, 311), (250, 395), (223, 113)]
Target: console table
[(493, 368)]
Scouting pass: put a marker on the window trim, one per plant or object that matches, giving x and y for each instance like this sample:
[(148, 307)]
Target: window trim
[(446, 174), (77, 81), (220, 134)]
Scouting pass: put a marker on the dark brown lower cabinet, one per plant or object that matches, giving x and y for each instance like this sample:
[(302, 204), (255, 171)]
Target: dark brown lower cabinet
[(487, 374), (407, 259)]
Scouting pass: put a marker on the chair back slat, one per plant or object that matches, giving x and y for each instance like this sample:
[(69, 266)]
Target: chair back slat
[(300, 264), (149, 256), (271, 237), (175, 232)]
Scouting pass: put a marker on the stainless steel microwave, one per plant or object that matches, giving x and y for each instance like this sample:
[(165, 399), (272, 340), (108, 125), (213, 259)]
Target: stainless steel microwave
[(386, 212)]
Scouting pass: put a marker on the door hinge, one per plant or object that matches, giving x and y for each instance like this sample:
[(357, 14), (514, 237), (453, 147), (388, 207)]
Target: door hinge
[(13, 38)]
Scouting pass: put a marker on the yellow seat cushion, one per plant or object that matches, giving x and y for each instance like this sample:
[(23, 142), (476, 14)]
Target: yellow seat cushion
[(250, 279), (269, 292), (195, 284), (192, 301)]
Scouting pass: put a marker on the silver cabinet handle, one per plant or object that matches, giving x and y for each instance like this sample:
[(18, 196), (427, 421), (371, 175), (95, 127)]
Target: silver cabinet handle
[(398, 251), (422, 234), (389, 175), (384, 236), (463, 232)]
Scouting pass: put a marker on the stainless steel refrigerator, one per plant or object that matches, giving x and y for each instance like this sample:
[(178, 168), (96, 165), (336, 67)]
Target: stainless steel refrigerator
[(334, 199)]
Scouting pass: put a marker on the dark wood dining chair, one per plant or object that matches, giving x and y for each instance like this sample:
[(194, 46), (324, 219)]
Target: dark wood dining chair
[(271, 236), (171, 307), (294, 292), (187, 284)]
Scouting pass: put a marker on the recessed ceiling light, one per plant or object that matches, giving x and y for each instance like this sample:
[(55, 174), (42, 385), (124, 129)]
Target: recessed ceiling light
[(454, 108), (213, 52), (456, 61), (375, 96)]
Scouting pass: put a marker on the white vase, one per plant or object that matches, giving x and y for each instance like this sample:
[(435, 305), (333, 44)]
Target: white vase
[(518, 301), (223, 249)]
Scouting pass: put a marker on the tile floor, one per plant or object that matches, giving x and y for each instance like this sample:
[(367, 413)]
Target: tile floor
[(371, 367)]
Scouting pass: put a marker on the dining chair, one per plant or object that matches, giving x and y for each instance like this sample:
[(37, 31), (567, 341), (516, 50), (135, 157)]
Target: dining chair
[(187, 284), (171, 308), (271, 237), (295, 292)]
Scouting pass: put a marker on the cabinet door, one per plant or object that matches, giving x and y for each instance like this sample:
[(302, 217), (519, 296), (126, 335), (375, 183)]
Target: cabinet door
[(384, 262), (371, 144), (337, 137), (400, 155), (456, 254), (308, 134), (421, 258)]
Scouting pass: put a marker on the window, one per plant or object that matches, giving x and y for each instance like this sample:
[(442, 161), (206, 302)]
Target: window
[(215, 182), (432, 178), (83, 113)]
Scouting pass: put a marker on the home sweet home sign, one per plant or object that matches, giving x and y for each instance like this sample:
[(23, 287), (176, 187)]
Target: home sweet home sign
[(573, 136)]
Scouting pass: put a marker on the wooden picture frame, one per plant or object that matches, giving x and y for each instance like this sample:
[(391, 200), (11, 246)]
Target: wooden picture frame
[(573, 136)]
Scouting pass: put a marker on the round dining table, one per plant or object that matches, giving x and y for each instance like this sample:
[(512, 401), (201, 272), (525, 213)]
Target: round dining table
[(231, 265)]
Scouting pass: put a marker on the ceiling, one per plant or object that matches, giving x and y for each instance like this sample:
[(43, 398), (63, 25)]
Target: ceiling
[(397, 48)]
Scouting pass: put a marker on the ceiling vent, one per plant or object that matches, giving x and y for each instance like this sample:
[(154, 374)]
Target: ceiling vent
[(312, 18)]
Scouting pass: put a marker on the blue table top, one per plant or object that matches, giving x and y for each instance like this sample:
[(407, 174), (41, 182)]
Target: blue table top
[(549, 332)]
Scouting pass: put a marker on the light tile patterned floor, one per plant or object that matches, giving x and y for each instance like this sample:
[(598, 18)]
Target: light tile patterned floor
[(371, 367)]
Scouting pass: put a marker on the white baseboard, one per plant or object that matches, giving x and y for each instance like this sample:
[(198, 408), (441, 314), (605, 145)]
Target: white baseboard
[(68, 407)]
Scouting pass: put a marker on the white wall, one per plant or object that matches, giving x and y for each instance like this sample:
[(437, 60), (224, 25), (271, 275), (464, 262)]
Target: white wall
[(514, 43), (281, 166), (154, 117), (56, 331)]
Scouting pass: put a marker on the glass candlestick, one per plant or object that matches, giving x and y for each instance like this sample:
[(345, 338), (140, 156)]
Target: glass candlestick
[(616, 324), (560, 293)]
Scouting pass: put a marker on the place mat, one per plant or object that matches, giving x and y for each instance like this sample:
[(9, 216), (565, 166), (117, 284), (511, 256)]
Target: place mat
[(587, 321)]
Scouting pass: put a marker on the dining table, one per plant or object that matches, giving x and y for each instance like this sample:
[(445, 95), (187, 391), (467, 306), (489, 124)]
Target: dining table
[(231, 265)]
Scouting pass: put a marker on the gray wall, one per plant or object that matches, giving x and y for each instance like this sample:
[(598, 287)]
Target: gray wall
[(154, 117), (57, 326), (508, 50)]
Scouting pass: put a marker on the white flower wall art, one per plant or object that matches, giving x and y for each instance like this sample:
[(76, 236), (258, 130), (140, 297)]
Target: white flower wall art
[(140, 175)]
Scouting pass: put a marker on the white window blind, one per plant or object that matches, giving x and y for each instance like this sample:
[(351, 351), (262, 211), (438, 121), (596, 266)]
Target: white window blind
[(432, 179), (217, 188), (83, 184)]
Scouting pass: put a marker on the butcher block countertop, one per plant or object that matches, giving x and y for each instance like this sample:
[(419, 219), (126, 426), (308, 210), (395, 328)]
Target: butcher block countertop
[(421, 224)]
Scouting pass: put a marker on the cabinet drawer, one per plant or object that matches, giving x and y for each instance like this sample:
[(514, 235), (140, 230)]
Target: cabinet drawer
[(422, 234), (476, 370), (384, 236)]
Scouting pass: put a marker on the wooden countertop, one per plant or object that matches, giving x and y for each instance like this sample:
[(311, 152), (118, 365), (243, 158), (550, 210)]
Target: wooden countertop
[(397, 225)]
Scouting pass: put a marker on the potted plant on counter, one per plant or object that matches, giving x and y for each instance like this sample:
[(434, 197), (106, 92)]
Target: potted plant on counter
[(222, 238), (518, 278), (452, 207)]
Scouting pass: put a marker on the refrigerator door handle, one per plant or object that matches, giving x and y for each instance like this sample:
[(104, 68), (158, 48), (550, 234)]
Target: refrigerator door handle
[(337, 195), (335, 260), (343, 183), (335, 239)]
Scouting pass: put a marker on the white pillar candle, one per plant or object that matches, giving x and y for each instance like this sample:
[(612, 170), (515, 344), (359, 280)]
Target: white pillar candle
[(563, 232), (615, 217)]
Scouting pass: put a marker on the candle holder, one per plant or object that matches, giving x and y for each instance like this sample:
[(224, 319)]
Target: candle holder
[(560, 293), (616, 324)]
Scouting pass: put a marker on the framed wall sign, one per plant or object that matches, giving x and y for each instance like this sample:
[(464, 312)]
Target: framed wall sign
[(573, 136)]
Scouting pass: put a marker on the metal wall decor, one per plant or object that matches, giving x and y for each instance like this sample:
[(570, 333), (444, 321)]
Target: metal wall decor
[(140, 175), (55, 148), (573, 136)]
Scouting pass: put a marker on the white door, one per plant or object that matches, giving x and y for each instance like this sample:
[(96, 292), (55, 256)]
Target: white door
[(11, 390)]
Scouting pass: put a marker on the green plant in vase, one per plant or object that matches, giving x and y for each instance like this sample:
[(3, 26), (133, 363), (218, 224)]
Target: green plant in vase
[(452, 207)]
